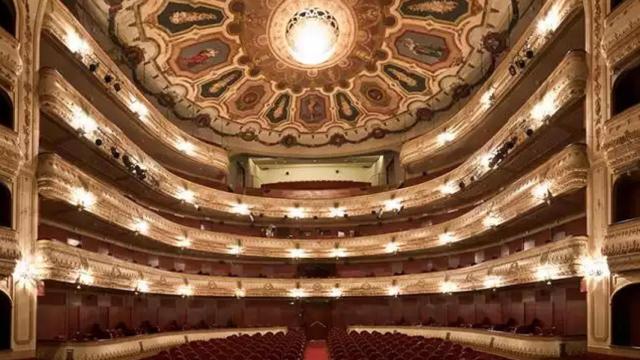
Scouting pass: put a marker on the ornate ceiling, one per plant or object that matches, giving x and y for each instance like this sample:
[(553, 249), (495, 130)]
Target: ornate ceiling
[(225, 66)]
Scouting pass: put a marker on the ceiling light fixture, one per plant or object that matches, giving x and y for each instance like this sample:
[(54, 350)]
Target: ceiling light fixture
[(312, 35), (82, 198), (337, 212), (185, 147), (240, 209), (296, 213), (76, 44), (445, 137), (549, 23)]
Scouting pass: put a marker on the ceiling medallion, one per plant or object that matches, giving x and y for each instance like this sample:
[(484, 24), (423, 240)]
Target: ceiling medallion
[(312, 35)]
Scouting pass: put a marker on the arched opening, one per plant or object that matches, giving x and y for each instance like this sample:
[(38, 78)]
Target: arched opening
[(626, 90), (616, 3), (5, 324), (625, 316), (626, 197), (8, 16), (6, 206), (6, 109)]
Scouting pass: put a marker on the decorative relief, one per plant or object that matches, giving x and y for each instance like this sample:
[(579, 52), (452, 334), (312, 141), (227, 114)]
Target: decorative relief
[(62, 262), (566, 172), (58, 22), (621, 37), (621, 140), (365, 43), (500, 83)]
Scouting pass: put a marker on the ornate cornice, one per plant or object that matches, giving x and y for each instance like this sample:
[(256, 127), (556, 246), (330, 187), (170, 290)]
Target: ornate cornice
[(59, 23), (621, 142), (62, 262), (621, 33), (500, 83), (58, 99), (10, 61), (531, 347), (563, 173)]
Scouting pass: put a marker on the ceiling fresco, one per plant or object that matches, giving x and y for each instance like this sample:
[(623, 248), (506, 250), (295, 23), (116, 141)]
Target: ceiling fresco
[(227, 67)]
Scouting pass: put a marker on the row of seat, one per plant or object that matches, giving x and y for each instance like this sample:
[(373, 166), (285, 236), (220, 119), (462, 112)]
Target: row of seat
[(396, 346), (268, 346)]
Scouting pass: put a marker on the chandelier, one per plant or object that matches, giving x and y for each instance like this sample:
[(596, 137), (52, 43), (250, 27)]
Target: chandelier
[(312, 35)]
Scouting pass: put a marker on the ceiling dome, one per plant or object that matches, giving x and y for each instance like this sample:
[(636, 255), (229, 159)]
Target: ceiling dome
[(307, 73)]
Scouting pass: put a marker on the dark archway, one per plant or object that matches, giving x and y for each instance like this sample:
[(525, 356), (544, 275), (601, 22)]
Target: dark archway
[(626, 197), (625, 316), (6, 109), (6, 206), (5, 324), (616, 3), (626, 90), (8, 16)]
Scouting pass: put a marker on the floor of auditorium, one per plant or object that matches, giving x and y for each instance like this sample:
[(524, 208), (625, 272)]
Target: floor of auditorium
[(316, 350)]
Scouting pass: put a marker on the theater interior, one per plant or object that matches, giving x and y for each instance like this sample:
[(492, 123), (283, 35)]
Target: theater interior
[(319, 179)]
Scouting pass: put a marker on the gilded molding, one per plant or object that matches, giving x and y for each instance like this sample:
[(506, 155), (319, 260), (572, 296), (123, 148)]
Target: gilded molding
[(10, 152), (621, 33), (59, 23), (62, 262), (501, 83), (9, 251), (58, 99), (10, 61), (621, 142), (564, 173), (535, 347), (623, 239)]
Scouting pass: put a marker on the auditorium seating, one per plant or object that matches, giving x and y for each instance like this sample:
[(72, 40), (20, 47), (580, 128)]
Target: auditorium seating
[(269, 346), (395, 346)]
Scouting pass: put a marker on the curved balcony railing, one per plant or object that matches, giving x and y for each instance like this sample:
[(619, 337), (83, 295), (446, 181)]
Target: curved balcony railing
[(136, 346), (10, 61), (562, 174), (561, 90), (62, 25), (621, 140), (558, 260), (9, 250), (621, 36), (496, 88), (532, 347)]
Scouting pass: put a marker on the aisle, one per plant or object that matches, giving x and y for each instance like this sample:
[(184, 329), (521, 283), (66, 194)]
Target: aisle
[(316, 350)]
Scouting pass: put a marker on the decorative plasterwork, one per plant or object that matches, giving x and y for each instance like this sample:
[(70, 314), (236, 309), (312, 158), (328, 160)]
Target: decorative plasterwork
[(623, 239), (10, 152), (621, 140), (531, 347), (475, 112), (451, 52), (564, 173), (62, 262), (622, 32), (9, 251), (10, 60), (61, 25), (567, 82), (136, 346)]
